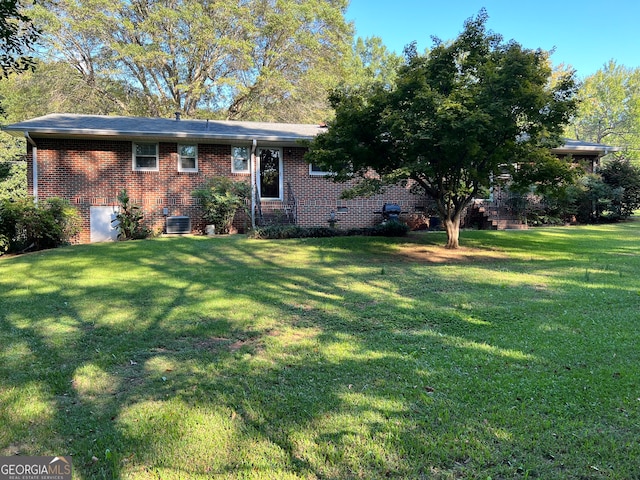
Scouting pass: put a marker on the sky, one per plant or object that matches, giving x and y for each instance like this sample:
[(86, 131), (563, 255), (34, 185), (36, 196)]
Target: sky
[(585, 34)]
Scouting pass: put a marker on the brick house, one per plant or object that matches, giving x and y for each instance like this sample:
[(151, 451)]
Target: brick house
[(89, 159)]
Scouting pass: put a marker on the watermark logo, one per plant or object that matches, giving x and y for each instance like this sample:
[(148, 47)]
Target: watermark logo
[(35, 468)]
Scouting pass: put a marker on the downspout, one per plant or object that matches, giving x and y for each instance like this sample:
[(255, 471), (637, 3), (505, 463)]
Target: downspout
[(34, 156), (252, 162)]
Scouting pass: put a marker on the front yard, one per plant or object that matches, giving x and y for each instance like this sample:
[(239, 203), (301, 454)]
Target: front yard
[(516, 357)]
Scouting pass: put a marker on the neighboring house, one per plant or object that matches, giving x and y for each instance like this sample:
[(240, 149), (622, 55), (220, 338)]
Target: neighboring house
[(586, 153), (89, 159), (504, 210)]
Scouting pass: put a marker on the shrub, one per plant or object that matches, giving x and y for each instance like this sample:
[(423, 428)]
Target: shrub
[(65, 221), (593, 198), (220, 199), (25, 225), (129, 219), (392, 228), (611, 194), (388, 229), (624, 180)]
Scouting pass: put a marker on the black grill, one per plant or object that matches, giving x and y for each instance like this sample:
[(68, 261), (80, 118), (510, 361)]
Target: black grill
[(391, 211)]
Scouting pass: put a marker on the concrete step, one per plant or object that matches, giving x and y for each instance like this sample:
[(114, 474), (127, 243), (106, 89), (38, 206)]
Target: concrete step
[(508, 225)]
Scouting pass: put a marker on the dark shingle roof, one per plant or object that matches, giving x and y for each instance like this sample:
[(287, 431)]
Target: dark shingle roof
[(162, 128), (101, 126)]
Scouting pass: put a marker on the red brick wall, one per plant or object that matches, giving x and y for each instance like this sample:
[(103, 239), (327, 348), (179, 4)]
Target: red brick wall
[(317, 196), (93, 172)]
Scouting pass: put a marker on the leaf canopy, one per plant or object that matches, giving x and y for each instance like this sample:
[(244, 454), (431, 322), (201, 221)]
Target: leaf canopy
[(454, 116), (234, 58)]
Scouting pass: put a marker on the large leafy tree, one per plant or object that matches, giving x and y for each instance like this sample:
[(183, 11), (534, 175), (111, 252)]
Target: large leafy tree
[(455, 116), (372, 63), (56, 87), (609, 110), (240, 59), (18, 36)]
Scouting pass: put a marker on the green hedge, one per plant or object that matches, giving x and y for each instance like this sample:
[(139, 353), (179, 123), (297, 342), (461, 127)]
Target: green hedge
[(388, 229), (27, 225)]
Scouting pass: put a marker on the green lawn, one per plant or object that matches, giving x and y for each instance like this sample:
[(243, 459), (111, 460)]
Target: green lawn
[(328, 358)]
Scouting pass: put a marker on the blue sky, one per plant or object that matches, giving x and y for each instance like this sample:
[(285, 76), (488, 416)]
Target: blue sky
[(585, 33)]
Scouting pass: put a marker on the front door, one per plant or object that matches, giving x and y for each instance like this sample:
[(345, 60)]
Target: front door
[(270, 177)]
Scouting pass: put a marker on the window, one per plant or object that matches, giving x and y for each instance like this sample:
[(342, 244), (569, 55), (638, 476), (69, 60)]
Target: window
[(187, 158), (316, 170), (145, 157), (240, 159)]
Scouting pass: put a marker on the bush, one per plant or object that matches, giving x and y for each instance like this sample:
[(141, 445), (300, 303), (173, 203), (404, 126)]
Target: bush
[(391, 228), (624, 180), (129, 219), (25, 225), (611, 194), (388, 229), (593, 198), (293, 231), (220, 199), (13, 180)]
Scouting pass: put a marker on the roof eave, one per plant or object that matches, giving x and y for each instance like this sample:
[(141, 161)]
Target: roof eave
[(585, 150), (158, 136)]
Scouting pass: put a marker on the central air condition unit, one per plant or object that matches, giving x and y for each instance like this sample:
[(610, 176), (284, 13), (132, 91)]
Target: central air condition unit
[(179, 225)]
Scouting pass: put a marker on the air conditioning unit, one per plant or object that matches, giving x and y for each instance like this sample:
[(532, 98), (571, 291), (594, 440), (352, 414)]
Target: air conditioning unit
[(180, 225)]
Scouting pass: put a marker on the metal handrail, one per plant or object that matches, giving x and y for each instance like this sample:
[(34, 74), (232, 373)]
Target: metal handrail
[(293, 204), (259, 219)]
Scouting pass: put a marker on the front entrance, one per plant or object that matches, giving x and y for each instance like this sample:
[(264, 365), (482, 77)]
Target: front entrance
[(270, 173)]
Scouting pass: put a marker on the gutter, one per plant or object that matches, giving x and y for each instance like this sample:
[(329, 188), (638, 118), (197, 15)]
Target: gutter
[(34, 156), (205, 135), (286, 140)]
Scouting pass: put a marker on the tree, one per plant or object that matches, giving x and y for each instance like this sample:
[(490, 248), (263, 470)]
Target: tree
[(224, 56), (372, 63), (17, 37), (609, 110), (13, 180), (56, 87), (455, 116), (622, 176)]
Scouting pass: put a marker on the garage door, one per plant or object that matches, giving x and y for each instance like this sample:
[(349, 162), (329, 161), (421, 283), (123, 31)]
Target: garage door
[(102, 230)]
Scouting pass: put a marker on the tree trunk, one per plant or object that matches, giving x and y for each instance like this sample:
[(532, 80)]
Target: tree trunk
[(452, 227)]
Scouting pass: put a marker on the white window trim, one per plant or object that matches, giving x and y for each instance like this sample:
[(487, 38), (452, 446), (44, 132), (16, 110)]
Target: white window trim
[(144, 169), (180, 167), (318, 174), (233, 166)]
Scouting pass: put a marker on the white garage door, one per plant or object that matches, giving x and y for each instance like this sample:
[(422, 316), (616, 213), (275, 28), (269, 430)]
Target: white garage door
[(102, 230)]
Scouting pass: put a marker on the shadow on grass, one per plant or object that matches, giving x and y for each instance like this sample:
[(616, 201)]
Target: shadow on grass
[(331, 358)]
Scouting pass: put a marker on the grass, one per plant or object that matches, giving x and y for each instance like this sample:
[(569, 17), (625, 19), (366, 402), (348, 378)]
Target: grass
[(516, 357)]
